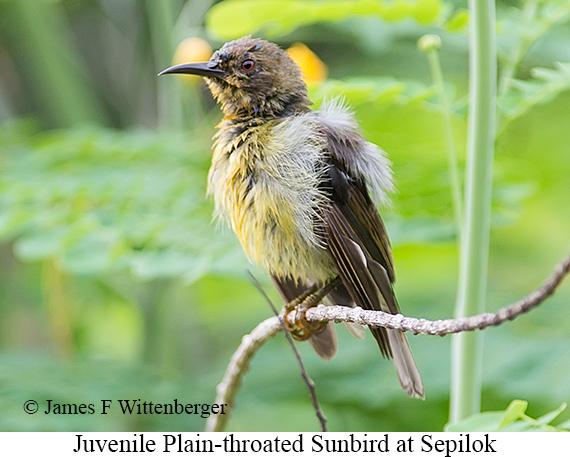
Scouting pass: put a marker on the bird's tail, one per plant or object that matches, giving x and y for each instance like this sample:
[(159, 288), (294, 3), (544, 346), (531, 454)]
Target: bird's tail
[(325, 343), (408, 372)]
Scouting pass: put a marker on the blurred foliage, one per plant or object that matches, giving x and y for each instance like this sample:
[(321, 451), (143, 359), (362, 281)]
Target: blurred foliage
[(115, 283), (545, 84), (513, 419), (109, 201), (234, 18)]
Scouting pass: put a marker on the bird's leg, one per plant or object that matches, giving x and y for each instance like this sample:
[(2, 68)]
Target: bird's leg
[(302, 329)]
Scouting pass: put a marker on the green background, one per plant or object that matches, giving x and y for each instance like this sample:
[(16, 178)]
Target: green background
[(116, 284)]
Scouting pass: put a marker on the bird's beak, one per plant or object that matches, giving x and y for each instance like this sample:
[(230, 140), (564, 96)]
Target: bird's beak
[(208, 69)]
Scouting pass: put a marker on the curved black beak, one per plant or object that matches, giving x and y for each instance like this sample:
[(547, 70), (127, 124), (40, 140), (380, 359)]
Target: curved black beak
[(208, 69)]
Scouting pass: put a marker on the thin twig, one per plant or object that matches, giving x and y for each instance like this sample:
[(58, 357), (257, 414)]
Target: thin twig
[(238, 366), (440, 327), (310, 383), (239, 362)]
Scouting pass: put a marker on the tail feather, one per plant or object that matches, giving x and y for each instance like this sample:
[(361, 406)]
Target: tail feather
[(325, 343), (406, 368)]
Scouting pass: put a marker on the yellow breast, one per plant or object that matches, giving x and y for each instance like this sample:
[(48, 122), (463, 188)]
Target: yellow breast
[(265, 181)]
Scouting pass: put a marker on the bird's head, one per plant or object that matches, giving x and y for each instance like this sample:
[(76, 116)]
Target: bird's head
[(251, 77)]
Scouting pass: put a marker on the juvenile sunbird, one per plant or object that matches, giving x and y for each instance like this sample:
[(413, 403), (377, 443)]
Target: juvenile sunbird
[(300, 188)]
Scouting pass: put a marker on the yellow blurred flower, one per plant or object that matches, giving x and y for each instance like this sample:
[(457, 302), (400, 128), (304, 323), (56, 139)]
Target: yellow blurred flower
[(192, 49), (314, 70)]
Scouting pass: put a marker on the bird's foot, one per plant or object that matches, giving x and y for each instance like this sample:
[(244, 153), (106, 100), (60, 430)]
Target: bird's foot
[(300, 328), (295, 312)]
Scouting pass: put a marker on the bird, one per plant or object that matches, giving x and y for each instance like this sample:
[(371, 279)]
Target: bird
[(301, 189)]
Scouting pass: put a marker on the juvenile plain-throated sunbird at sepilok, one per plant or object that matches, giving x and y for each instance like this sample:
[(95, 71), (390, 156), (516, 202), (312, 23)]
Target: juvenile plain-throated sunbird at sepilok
[(300, 188)]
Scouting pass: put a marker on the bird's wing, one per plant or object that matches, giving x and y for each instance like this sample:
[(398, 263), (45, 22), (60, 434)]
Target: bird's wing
[(357, 242)]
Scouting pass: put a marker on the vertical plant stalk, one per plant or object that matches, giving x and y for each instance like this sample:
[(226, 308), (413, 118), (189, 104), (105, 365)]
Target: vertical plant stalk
[(6, 111), (430, 45), (189, 23), (158, 339), (51, 62), (466, 351), (539, 27), (514, 57), (58, 307), (161, 16)]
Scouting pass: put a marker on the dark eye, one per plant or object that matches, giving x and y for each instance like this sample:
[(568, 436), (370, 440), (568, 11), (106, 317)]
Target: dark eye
[(248, 65)]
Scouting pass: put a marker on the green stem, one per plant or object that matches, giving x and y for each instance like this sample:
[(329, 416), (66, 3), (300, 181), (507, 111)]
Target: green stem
[(50, 62), (466, 347), (539, 28), (5, 108), (191, 18), (158, 339), (189, 23), (437, 76), (58, 307), (161, 16), (515, 56)]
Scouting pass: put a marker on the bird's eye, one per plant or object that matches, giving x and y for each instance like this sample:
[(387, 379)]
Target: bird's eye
[(248, 65)]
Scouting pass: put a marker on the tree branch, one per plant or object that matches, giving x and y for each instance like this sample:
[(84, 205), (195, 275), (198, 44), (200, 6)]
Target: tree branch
[(440, 327), (308, 381), (239, 363), (238, 366)]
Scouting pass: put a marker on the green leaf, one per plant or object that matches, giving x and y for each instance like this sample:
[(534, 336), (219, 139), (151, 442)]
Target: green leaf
[(549, 417), (41, 245), (564, 425), (427, 11), (232, 19), (523, 95), (91, 254), (514, 412), (518, 426), (12, 223), (513, 419), (396, 10), (167, 263), (100, 201), (484, 422), (458, 21), (382, 91)]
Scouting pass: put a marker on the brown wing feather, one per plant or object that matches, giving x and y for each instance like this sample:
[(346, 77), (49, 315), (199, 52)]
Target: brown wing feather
[(366, 214), (348, 259), (358, 244)]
